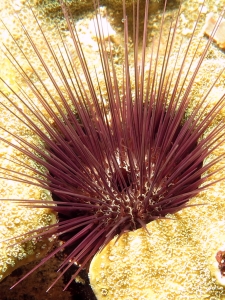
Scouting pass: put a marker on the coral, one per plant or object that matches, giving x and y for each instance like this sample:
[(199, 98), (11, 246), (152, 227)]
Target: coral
[(176, 260), (16, 219), (76, 7)]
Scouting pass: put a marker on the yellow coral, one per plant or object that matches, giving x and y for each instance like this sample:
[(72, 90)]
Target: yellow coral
[(16, 220), (176, 260)]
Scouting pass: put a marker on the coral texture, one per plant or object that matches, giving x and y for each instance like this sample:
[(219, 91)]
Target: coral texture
[(16, 219), (176, 260)]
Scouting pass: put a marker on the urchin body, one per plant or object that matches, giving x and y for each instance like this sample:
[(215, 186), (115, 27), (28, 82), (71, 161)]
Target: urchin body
[(114, 166), (131, 187)]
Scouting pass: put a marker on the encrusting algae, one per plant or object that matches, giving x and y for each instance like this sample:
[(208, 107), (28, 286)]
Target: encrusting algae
[(177, 260)]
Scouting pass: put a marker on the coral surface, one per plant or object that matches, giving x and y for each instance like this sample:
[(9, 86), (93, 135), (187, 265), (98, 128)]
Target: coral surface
[(176, 260)]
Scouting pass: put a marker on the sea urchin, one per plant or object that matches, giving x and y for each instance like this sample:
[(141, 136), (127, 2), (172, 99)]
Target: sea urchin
[(117, 154)]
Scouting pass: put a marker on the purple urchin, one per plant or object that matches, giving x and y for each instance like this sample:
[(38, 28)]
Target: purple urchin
[(116, 155)]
